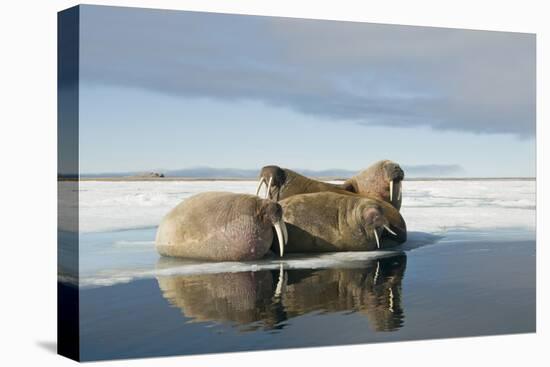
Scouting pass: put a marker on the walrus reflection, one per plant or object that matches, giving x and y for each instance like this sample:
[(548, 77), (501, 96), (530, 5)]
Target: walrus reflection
[(374, 291), (243, 298), (266, 299)]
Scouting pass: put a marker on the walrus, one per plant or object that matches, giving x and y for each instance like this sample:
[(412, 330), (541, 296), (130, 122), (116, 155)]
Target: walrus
[(221, 226), (381, 180), (265, 299), (329, 221)]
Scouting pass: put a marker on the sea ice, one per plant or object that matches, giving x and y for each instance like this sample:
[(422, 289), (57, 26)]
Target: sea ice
[(428, 206)]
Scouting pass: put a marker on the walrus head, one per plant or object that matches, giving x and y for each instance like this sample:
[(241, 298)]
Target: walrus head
[(273, 177), (382, 180), (374, 222), (270, 212), (329, 221)]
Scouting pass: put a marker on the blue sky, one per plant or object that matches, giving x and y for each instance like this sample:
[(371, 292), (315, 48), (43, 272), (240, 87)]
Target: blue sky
[(169, 90)]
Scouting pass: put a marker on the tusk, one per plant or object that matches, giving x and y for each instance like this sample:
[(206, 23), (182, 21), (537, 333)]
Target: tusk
[(262, 181), (280, 238), (391, 190), (390, 308), (280, 281), (376, 272), (377, 240), (389, 230), (268, 192), (399, 194), (285, 232)]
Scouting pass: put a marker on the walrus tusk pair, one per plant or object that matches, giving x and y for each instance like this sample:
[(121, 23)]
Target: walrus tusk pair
[(282, 235), (391, 191), (268, 190), (376, 234)]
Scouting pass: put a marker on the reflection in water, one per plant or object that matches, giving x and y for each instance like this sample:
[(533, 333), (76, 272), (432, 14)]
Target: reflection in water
[(265, 299)]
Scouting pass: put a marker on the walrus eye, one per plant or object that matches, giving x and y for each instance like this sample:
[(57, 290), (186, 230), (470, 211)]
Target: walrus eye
[(373, 217)]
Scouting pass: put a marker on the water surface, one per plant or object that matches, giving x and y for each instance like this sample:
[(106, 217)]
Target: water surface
[(467, 269)]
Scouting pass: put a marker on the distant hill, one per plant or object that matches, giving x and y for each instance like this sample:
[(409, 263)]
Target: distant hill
[(432, 170), (209, 172)]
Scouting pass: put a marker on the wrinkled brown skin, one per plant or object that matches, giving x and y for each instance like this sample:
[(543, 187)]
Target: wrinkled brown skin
[(372, 289), (328, 221), (219, 226), (374, 182)]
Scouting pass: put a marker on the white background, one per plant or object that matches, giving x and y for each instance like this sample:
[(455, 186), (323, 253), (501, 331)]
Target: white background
[(28, 183)]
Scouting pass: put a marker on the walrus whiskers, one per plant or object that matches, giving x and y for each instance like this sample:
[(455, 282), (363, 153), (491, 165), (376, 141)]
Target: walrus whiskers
[(389, 230), (376, 236), (391, 190)]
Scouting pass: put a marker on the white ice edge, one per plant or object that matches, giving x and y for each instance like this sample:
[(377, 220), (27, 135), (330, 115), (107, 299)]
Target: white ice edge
[(171, 267)]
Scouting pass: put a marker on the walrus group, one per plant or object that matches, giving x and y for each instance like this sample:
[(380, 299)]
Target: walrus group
[(295, 214)]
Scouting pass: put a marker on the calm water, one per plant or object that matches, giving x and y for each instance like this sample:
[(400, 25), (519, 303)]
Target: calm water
[(466, 284)]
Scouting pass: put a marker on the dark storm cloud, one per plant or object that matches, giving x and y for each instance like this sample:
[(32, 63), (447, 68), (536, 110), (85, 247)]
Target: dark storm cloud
[(370, 74)]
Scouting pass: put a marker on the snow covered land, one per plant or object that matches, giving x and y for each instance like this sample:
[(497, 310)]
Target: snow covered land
[(428, 206)]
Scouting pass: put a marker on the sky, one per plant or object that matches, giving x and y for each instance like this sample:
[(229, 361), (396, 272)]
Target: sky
[(166, 90)]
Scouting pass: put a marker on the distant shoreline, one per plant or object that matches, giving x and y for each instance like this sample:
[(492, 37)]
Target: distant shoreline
[(132, 179)]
